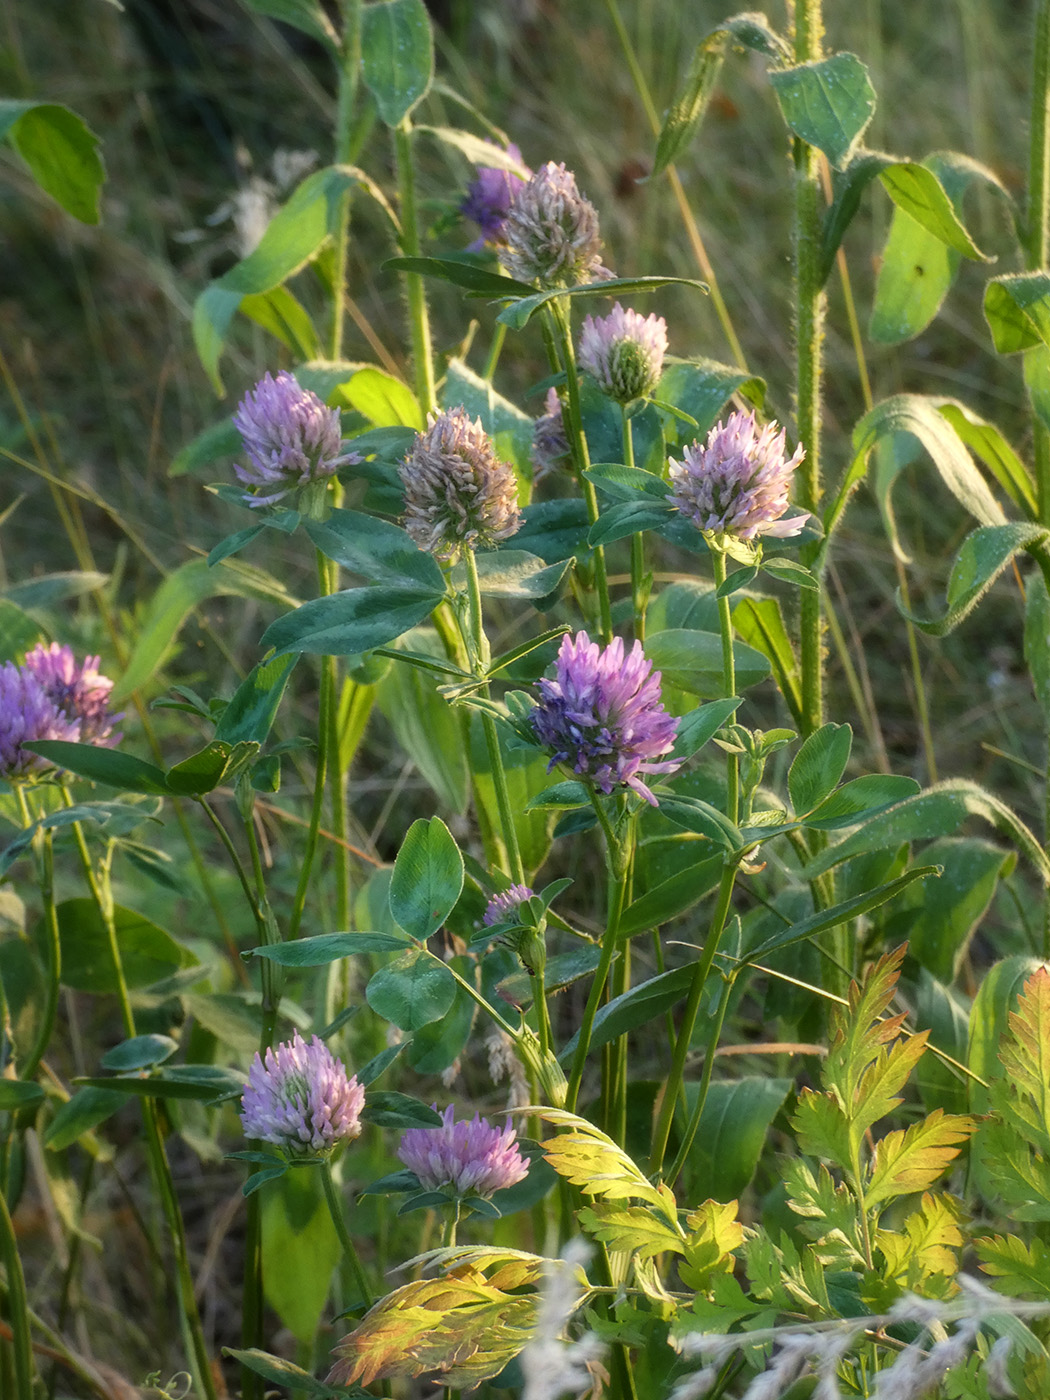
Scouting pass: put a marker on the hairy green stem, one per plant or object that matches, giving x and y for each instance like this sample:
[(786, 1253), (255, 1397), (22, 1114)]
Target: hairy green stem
[(638, 585), (725, 627), (809, 333), (563, 356), (418, 316), (335, 1210), (619, 855), (349, 67), (662, 1131), (46, 876), (17, 1305), (326, 579)]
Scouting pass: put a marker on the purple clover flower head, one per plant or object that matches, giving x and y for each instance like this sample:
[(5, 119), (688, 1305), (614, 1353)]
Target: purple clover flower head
[(503, 908), (551, 232), (487, 202), (467, 1158), (291, 439), (458, 494), (624, 352), (602, 715), (28, 712), (79, 691), (550, 442), (301, 1099), (735, 486)]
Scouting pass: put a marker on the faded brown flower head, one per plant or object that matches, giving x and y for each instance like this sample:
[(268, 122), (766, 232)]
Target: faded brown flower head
[(458, 494)]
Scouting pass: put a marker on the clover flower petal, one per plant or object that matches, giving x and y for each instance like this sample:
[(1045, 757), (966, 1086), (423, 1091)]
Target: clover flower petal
[(301, 1099), (551, 232), (469, 1158), (624, 352), (291, 438)]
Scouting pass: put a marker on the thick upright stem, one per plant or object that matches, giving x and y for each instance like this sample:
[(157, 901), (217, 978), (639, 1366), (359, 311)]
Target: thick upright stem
[(701, 972), (418, 317), (809, 331)]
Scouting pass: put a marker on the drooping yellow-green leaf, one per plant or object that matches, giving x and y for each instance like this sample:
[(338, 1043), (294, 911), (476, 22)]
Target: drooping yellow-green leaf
[(592, 1161), (912, 1159), (631, 1229), (828, 1214), (714, 1233), (927, 1243), (1025, 1055)]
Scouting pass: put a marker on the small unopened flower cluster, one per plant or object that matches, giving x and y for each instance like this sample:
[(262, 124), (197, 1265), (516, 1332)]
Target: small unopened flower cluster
[(551, 235), (292, 440), (458, 494), (818, 1350), (735, 486), (488, 199), (503, 907), (301, 1099), (624, 353), (551, 1365), (603, 716), (52, 696), (469, 1158)]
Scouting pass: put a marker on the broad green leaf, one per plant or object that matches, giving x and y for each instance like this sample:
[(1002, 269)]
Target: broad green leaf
[(699, 726), (687, 110), (819, 765), (140, 1052), (324, 948), (397, 56), (203, 771), (982, 557), (437, 1046), (847, 186), (838, 914), (427, 879), (284, 317), (84, 1111), (306, 15), (182, 591), (694, 814), (376, 549), (294, 236), (199, 1082), (19, 632), (987, 443), (519, 313), (111, 766), (619, 521), (931, 194), (299, 1252), (513, 573), (1017, 309), (471, 276), (352, 621), (385, 401), (559, 796), (412, 991), (643, 1003), (860, 799), (425, 725), (714, 1234), (148, 953), (249, 716), (927, 1243), (916, 272), (16, 1094), (477, 150), (939, 811), (671, 897), (827, 104), (939, 917), (702, 388), (61, 152), (280, 1371), (693, 661), (388, 1109), (732, 1132)]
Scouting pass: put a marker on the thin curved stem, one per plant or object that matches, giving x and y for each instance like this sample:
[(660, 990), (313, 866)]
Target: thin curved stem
[(717, 1022), (335, 1210), (17, 1304), (638, 588), (725, 625)]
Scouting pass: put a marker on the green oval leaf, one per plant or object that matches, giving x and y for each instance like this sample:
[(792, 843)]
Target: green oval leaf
[(518, 315), (350, 622), (860, 799), (16, 1094), (427, 879), (253, 707), (982, 557), (140, 1052), (376, 549), (827, 104), (110, 766), (693, 661), (387, 1109), (1017, 309), (397, 56), (412, 991), (329, 947), (84, 1111), (61, 152)]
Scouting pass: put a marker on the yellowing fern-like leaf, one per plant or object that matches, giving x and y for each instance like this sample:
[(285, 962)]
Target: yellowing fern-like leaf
[(592, 1161), (461, 1327), (822, 1127), (878, 1090), (926, 1244), (1020, 1270), (631, 1229), (1019, 1175), (1024, 1095), (829, 1214), (913, 1159), (858, 1033), (714, 1233)]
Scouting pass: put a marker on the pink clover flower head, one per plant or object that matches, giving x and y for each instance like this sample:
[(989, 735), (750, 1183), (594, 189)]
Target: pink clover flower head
[(291, 439), (301, 1099), (551, 234), (624, 352), (503, 908), (737, 483), (603, 716), (467, 1158), (458, 494), (27, 712), (550, 442), (488, 198), (78, 690)]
